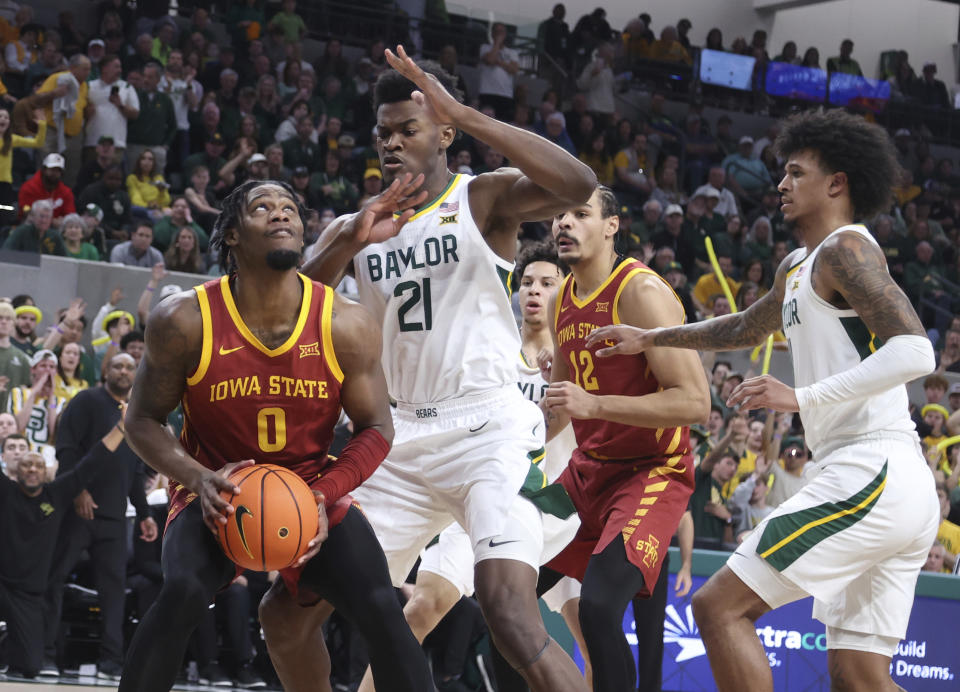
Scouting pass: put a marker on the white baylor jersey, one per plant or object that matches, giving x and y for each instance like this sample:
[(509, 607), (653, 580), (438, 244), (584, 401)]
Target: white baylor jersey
[(825, 340), (558, 450), (442, 298)]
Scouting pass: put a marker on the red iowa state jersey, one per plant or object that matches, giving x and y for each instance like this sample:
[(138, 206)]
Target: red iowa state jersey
[(246, 401), (619, 375)]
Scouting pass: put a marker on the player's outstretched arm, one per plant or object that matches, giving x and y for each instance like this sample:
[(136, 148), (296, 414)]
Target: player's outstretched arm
[(851, 267), (173, 347), (548, 180), (350, 233), (363, 395), (727, 333), (684, 395)]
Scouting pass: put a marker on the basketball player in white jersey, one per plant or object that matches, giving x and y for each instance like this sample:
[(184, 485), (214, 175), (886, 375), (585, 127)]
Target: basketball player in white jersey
[(857, 535), (436, 277), (446, 567)]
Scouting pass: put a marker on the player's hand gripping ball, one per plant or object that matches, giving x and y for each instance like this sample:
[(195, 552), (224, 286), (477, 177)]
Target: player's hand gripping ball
[(274, 518)]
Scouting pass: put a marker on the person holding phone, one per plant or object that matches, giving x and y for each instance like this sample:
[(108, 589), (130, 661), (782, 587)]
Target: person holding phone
[(115, 103)]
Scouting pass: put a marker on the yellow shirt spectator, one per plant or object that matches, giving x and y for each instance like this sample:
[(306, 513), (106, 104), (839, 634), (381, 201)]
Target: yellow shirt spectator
[(6, 158), (71, 126), (147, 193), (708, 285)]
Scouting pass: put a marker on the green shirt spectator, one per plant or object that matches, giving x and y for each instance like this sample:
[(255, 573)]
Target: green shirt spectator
[(292, 24), (37, 235)]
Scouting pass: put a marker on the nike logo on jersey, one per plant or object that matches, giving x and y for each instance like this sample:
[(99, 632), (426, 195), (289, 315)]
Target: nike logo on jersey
[(241, 512), (493, 544), (479, 428), (225, 351)]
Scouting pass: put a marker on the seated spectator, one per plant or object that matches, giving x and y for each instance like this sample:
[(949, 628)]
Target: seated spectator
[(700, 149), (137, 252), (288, 128), (112, 201), (708, 285), (372, 185), (168, 227), (20, 53), (668, 47), (630, 166), (8, 142), (13, 445), (788, 476), (45, 184), (14, 366), (276, 170), (758, 243), (948, 533), (747, 176), (748, 503), (68, 380), (302, 150), (948, 358), (204, 207), (72, 231), (37, 234), (935, 416), (332, 189), (105, 155), (596, 156), (26, 318), (936, 559), (183, 255), (711, 519), (37, 407), (666, 188), (555, 130), (726, 202), (212, 158), (149, 192)]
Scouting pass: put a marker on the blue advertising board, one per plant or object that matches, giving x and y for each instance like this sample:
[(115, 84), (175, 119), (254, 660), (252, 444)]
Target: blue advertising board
[(928, 659), (847, 89), (796, 82)]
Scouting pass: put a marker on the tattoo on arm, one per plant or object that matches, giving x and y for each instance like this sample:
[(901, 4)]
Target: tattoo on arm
[(729, 332), (856, 269)]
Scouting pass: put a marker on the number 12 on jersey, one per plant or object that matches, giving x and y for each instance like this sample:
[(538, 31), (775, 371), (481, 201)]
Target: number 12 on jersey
[(417, 294), (588, 381)]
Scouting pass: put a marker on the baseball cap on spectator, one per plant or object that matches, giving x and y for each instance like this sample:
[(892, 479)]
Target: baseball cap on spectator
[(673, 209), (734, 375), (53, 161), (930, 66), (256, 158), (902, 132), (169, 290), (35, 311), (673, 267), (746, 139), (216, 138), (42, 355), (103, 139), (372, 173), (346, 141), (954, 389), (94, 210), (96, 42), (708, 191), (301, 170)]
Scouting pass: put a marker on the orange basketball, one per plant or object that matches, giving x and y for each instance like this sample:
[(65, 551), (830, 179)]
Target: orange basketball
[(275, 516)]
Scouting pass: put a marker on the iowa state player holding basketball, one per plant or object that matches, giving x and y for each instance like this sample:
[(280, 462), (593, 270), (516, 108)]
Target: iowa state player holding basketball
[(632, 472), (262, 360)]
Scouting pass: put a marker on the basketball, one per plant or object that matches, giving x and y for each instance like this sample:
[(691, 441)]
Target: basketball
[(274, 518)]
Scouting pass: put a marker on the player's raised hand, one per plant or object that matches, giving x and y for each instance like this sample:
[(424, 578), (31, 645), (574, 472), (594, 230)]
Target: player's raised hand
[(441, 106), (763, 392), (313, 547), (215, 508), (375, 222), (620, 340)]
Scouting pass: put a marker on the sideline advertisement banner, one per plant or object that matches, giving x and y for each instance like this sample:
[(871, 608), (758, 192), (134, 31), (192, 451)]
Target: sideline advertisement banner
[(928, 659)]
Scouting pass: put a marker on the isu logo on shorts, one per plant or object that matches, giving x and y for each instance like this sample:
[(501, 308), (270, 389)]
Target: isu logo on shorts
[(649, 548)]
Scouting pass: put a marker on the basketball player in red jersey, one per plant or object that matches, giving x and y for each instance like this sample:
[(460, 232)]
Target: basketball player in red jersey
[(263, 359), (632, 472)]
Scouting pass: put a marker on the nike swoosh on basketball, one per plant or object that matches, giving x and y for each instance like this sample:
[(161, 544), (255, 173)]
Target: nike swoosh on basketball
[(494, 545), (225, 351), (241, 511), (478, 429)]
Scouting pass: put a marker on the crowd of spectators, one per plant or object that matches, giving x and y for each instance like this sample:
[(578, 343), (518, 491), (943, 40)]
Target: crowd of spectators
[(121, 138)]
